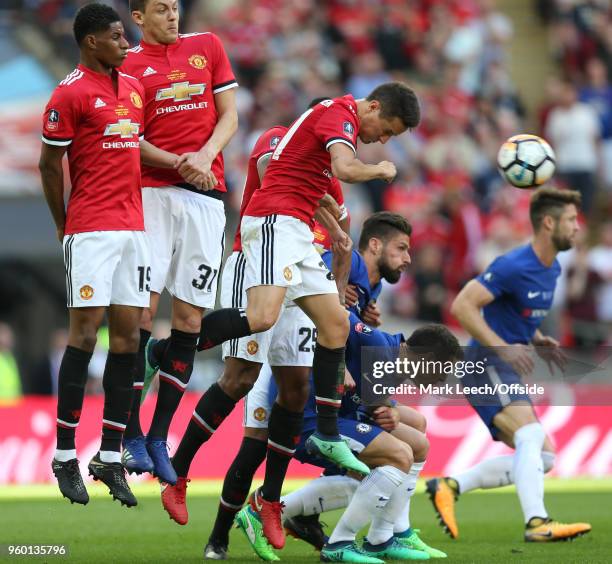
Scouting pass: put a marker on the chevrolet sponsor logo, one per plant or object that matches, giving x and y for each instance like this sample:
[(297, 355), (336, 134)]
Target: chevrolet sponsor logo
[(124, 127), (180, 91)]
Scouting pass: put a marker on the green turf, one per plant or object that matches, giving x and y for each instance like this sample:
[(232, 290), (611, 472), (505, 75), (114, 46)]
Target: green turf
[(490, 526)]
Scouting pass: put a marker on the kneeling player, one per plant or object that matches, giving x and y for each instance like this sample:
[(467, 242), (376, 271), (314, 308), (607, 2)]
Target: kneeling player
[(397, 458)]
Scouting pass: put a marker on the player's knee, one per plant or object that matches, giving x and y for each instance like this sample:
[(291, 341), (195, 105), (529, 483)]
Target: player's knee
[(401, 458), (127, 342), (530, 433), (188, 322), (84, 338), (295, 397), (335, 330), (548, 460), (238, 381), (261, 319), (420, 447), (419, 422)]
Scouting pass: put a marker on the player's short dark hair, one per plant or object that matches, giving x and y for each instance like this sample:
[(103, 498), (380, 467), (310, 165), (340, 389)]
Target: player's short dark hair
[(550, 201), (397, 100), (138, 5), (383, 225), (437, 339), (316, 101), (93, 18)]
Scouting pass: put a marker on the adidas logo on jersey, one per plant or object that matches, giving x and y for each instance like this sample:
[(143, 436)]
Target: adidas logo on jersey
[(99, 103), (148, 71)]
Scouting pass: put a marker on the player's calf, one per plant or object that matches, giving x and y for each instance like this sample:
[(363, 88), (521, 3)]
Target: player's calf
[(236, 486), (212, 409)]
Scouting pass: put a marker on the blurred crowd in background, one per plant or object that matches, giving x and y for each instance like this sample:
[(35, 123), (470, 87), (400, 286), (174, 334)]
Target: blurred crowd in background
[(456, 55)]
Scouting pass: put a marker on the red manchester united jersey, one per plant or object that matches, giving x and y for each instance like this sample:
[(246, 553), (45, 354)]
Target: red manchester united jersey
[(265, 145), (101, 129), (300, 167), (180, 81)]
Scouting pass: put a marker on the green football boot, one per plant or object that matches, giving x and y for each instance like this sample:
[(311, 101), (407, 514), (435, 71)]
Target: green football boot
[(410, 539), (337, 451), (393, 549), (347, 552), (248, 522)]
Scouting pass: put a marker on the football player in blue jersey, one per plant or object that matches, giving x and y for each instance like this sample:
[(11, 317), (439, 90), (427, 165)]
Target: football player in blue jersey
[(382, 439), (502, 310), (379, 437)]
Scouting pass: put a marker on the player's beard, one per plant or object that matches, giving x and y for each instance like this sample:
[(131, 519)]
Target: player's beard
[(387, 273), (560, 242)]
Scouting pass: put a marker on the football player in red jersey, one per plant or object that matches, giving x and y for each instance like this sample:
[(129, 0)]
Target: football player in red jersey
[(189, 110), (95, 116), (281, 263), (288, 347)]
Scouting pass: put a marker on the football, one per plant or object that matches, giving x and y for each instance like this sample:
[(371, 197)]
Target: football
[(526, 161)]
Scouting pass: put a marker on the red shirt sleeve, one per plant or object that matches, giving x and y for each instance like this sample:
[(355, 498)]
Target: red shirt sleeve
[(222, 74), (61, 117), (337, 125)]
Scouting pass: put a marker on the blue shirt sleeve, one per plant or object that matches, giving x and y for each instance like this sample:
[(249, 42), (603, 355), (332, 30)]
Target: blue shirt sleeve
[(355, 275), (499, 276), (327, 259)]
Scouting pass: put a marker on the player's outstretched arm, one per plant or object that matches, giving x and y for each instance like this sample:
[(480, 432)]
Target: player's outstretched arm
[(348, 168), (154, 156), (52, 176), (466, 308)]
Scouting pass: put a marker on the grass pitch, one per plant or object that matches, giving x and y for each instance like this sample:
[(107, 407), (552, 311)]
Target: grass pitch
[(103, 531)]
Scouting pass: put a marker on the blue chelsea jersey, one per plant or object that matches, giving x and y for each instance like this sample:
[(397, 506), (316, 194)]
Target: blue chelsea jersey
[(359, 277), (361, 335), (523, 288)]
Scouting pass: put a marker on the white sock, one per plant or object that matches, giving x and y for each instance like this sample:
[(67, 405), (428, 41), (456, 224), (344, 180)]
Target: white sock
[(323, 494), (110, 456), (370, 498), (64, 455), (548, 459), (402, 523), (383, 522), (528, 470), (495, 472)]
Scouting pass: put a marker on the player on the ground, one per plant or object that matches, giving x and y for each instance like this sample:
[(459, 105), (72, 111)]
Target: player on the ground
[(397, 456), (281, 261), (190, 110), (95, 116), (515, 293), (288, 346)]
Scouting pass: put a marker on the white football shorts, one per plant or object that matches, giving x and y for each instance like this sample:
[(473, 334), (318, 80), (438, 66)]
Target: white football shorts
[(279, 252), (289, 343), (186, 234), (258, 402), (107, 267)]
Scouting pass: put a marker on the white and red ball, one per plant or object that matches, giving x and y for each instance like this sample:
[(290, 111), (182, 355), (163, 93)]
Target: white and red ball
[(526, 161)]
